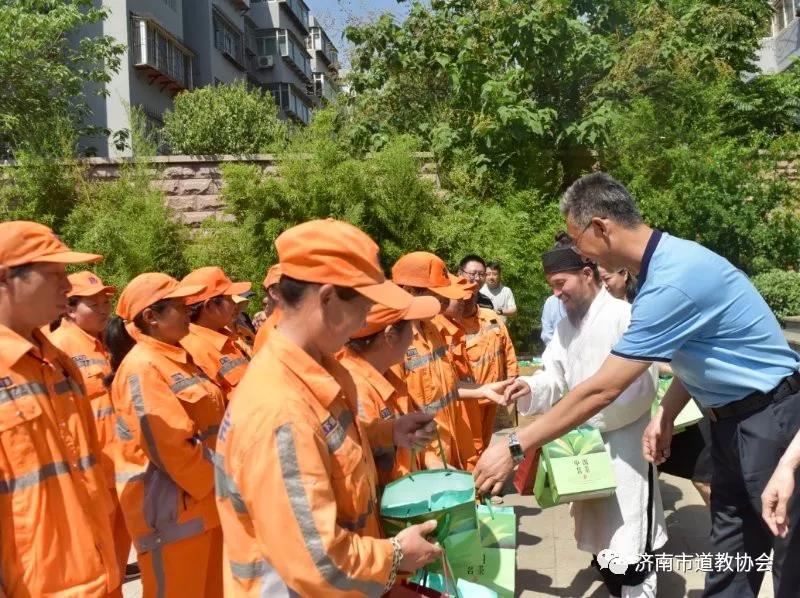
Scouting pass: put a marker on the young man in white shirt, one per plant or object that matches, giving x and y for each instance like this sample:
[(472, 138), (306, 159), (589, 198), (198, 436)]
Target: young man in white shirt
[(501, 296)]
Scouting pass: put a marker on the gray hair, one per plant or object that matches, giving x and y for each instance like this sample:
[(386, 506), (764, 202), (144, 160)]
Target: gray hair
[(598, 195)]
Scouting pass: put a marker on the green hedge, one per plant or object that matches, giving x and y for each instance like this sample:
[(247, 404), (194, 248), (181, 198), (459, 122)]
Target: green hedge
[(781, 290)]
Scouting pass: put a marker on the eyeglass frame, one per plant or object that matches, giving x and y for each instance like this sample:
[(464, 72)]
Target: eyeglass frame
[(473, 275)]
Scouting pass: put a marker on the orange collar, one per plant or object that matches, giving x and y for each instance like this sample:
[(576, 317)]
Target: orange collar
[(368, 372), (13, 346), (175, 353), (322, 379), (73, 328), (217, 339)]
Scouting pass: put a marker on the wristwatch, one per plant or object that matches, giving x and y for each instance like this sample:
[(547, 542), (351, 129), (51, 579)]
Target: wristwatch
[(515, 448)]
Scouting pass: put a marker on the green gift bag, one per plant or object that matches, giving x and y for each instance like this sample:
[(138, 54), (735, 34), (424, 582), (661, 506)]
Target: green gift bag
[(574, 467), (688, 416)]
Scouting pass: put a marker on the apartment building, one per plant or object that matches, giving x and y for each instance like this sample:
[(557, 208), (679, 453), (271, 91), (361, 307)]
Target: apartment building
[(176, 45), (782, 47)]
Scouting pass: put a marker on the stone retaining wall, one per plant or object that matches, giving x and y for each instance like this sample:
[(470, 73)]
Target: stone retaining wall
[(192, 185)]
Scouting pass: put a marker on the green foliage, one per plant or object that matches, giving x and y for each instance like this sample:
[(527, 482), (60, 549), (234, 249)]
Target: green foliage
[(44, 73), (41, 183), (128, 222), (224, 119), (781, 290)]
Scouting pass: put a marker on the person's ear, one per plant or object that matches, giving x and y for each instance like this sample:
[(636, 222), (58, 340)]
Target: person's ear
[(326, 294), (602, 226), (391, 335), (149, 317)]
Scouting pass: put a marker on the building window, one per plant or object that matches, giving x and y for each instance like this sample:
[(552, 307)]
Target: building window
[(166, 60), (228, 39), (299, 10), (283, 42), (785, 12), (290, 102)]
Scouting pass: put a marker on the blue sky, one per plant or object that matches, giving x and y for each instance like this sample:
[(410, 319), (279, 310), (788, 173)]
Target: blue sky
[(337, 14)]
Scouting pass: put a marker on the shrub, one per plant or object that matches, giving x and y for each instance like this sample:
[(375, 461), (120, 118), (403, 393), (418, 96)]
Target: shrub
[(128, 222), (781, 291), (224, 119)]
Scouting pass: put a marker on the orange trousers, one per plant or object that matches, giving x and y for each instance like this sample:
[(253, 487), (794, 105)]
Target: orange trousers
[(488, 414), (122, 539), (190, 568)]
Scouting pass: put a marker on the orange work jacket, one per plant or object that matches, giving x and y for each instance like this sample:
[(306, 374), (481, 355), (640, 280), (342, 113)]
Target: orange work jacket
[(217, 355), (90, 355), (55, 508), (491, 358), (430, 376), (168, 416), (468, 411), (381, 399), (267, 328), (296, 482)]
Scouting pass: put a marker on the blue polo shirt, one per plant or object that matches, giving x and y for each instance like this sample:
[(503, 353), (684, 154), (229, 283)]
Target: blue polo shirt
[(703, 316)]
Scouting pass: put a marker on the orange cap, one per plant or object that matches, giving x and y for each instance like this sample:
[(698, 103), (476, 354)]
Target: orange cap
[(146, 289), (379, 317), (23, 242), (468, 287), (214, 282), (86, 284), (334, 252), (273, 276), (424, 270)]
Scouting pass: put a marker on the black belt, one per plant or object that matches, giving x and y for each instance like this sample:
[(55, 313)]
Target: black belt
[(756, 400)]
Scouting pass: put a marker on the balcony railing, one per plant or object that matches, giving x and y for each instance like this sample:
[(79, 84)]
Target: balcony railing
[(161, 55), (323, 88), (291, 102), (318, 41)]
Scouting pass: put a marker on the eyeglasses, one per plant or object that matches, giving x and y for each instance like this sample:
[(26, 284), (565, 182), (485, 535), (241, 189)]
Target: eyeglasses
[(473, 275), (574, 245)]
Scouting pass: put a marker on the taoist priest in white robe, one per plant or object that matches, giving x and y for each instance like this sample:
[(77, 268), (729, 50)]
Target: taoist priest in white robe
[(630, 523)]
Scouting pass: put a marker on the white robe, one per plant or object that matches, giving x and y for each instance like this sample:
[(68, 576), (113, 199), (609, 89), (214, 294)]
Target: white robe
[(617, 522)]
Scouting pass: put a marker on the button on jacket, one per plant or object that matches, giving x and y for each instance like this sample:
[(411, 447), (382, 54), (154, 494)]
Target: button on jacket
[(54, 504), (168, 416), (217, 355), (296, 482)]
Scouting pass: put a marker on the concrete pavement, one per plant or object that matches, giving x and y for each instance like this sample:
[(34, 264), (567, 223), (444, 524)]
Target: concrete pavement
[(549, 564)]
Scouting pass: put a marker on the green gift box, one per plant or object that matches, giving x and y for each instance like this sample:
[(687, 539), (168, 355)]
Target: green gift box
[(491, 570), (447, 495), (498, 526), (688, 416), (574, 467)]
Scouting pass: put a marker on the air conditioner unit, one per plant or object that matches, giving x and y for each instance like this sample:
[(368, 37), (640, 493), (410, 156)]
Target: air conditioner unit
[(265, 62)]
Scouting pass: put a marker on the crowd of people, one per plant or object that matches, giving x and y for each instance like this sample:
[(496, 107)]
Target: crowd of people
[(244, 457)]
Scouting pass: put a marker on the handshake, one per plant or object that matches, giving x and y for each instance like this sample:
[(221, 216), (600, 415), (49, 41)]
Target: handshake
[(504, 393)]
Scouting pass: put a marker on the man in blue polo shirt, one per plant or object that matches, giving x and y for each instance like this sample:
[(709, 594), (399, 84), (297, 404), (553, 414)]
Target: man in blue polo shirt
[(697, 312)]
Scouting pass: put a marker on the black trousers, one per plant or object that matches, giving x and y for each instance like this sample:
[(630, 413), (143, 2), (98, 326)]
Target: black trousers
[(745, 451)]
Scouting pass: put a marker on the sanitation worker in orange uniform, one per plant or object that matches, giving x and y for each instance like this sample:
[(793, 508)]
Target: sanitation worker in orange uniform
[(209, 342), (55, 530), (168, 416), (79, 335), (296, 481), (266, 320), (382, 395)]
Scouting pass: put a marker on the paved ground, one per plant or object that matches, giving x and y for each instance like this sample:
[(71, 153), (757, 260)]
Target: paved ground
[(548, 564)]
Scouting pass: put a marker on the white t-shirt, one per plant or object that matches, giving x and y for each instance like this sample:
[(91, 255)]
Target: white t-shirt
[(501, 297)]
